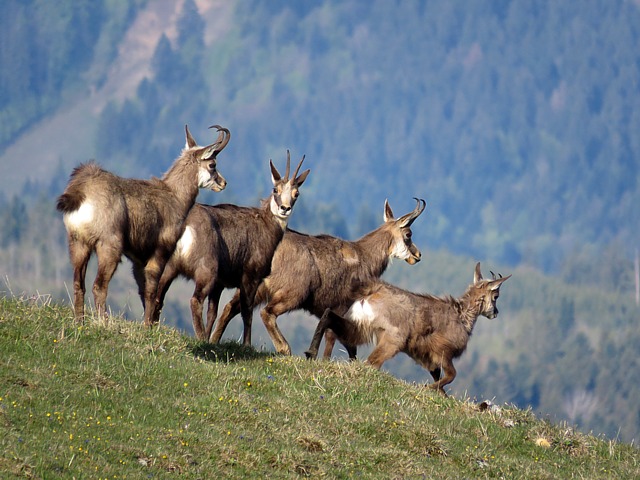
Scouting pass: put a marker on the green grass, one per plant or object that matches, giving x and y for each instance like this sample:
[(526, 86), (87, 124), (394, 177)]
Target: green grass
[(116, 400)]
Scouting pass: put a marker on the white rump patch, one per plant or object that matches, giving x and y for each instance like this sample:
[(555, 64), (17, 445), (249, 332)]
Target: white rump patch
[(79, 218), (183, 247), (361, 312)]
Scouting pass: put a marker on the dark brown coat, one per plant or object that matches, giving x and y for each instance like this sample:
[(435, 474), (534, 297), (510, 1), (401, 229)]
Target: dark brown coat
[(227, 246), (431, 330), (316, 272), (142, 219)]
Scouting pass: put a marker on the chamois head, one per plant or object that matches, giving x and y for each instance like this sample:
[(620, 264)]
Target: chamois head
[(208, 175), (486, 292), (402, 246), (285, 190)]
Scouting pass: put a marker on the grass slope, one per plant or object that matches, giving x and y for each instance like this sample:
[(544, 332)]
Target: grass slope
[(119, 401)]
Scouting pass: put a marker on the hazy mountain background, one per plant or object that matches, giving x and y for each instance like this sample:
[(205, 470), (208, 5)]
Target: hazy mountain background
[(518, 121)]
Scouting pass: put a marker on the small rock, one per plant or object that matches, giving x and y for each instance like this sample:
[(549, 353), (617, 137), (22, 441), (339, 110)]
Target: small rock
[(542, 442)]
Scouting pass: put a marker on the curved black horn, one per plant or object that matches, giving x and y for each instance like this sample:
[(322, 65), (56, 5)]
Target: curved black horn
[(224, 136), (408, 219), (295, 174)]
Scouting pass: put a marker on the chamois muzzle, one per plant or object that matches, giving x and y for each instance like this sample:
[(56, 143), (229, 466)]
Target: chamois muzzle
[(415, 256)]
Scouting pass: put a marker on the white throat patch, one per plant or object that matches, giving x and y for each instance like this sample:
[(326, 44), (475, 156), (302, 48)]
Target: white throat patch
[(275, 210), (400, 251), (205, 179)]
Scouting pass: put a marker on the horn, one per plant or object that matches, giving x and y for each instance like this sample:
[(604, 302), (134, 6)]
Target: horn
[(499, 281), (408, 219), (295, 174), (224, 136), (286, 173)]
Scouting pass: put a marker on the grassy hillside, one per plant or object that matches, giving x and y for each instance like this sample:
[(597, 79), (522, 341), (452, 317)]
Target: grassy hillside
[(118, 401)]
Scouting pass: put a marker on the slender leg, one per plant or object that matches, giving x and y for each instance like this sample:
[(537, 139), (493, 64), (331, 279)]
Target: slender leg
[(166, 279), (247, 302), (329, 343), (312, 352), (231, 309), (352, 350), (108, 259), (383, 351), (269, 319), (80, 255), (138, 275), (196, 311), (152, 272), (449, 374), (277, 306), (212, 309)]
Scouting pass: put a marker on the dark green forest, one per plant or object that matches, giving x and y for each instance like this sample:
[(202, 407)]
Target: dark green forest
[(517, 121)]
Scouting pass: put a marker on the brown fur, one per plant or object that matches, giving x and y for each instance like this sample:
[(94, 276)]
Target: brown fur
[(319, 272), (142, 219), (231, 247), (431, 330)]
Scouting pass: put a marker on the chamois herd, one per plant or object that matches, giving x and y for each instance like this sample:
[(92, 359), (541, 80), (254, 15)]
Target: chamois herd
[(158, 225)]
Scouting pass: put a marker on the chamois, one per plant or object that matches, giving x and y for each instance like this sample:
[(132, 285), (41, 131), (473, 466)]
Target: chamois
[(142, 219), (227, 246), (319, 272), (431, 330)]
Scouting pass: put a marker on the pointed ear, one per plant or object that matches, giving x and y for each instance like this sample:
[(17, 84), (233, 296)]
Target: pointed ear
[(388, 213), (190, 143), (301, 178), (477, 274), (495, 284), (275, 175)]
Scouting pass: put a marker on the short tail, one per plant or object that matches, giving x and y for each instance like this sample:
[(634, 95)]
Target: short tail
[(68, 202)]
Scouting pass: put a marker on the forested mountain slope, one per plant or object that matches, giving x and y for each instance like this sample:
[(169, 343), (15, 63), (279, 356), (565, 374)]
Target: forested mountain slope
[(517, 121)]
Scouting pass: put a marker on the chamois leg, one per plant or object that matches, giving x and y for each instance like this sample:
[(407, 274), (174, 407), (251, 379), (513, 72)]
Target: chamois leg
[(276, 307), (383, 351), (212, 309), (269, 318), (449, 374), (321, 329), (152, 272), (231, 309), (80, 254), (247, 301), (166, 279), (332, 326), (196, 311), (246, 309), (205, 280), (108, 259), (329, 344), (138, 275)]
